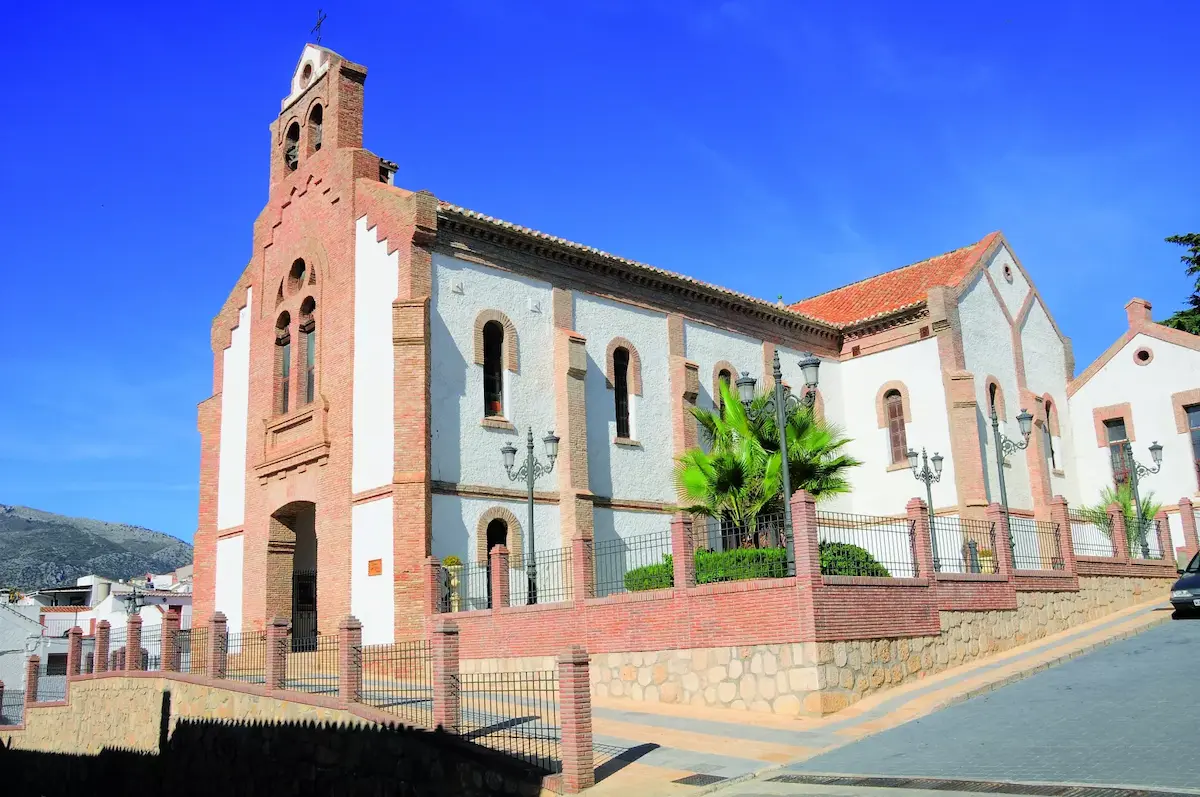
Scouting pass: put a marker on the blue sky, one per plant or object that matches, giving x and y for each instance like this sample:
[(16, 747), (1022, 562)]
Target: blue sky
[(773, 147)]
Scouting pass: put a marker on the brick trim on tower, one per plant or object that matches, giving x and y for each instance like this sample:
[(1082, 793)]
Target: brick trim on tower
[(1110, 412)]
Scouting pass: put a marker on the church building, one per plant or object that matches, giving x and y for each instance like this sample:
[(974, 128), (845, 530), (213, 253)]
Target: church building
[(383, 346)]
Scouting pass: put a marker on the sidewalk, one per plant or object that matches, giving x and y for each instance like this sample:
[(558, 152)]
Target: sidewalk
[(643, 749)]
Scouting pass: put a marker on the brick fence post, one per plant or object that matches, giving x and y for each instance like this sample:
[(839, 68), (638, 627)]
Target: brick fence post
[(103, 629), (575, 715), (277, 653), (1163, 527), (133, 643), (444, 647), (1120, 539), (683, 555), (583, 568), (806, 537), (433, 590), (1187, 517), (32, 665), (170, 640), (74, 651), (922, 544), (350, 660), (1060, 515), (218, 646), (498, 561), (1004, 547), (119, 660)]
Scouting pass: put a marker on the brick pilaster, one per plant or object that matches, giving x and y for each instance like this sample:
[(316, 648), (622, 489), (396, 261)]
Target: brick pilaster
[(1163, 528), (1004, 551), (575, 715), (806, 537), (1191, 540), (74, 651), (118, 663), (218, 645), (962, 407), (576, 512), (922, 544), (103, 631), (350, 660), (133, 644), (683, 556), (33, 666), (277, 653), (170, 640), (1061, 517), (431, 573), (444, 647), (583, 568), (498, 558), (1120, 538)]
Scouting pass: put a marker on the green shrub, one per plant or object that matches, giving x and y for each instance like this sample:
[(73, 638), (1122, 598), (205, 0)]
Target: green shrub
[(659, 576), (740, 564), (451, 561), (844, 559)]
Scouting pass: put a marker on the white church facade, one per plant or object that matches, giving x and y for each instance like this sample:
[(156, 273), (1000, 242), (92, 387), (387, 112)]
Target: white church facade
[(381, 346)]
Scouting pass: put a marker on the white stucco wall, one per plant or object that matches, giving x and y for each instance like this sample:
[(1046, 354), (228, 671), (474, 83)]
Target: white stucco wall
[(876, 489), (642, 472), (1148, 390), (228, 593), (235, 398), (988, 351), (16, 629), (464, 451), (1013, 293), (706, 346), (375, 285), (1046, 372), (372, 598)]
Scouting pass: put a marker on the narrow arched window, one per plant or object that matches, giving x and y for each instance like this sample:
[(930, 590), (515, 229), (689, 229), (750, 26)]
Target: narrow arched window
[(723, 378), (283, 363), (1049, 436), (308, 341), (493, 369), (291, 147), (897, 437), (621, 390), (315, 117), (993, 389)]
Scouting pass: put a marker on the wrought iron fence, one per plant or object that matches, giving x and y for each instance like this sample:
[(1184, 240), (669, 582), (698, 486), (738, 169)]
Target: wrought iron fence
[(1091, 534), (398, 679), (246, 657), (552, 583), (87, 655), (58, 626), (12, 707), (51, 688), (468, 587), (728, 551), (963, 545), (1143, 538), (314, 669), (1035, 544), (866, 545), (152, 648), (191, 651), (515, 713), (631, 564), (116, 648)]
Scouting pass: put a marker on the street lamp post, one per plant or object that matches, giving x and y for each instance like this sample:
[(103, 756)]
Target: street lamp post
[(1136, 472), (1004, 447), (530, 472), (928, 477), (780, 403)]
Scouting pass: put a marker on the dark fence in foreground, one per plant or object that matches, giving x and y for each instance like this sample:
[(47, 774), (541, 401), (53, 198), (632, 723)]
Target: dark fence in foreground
[(1091, 534), (398, 679), (615, 559), (963, 545), (314, 669), (515, 713), (1035, 544), (246, 657), (866, 545)]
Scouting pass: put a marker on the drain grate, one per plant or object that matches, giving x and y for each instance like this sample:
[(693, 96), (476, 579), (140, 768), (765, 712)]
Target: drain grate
[(979, 786), (700, 779)]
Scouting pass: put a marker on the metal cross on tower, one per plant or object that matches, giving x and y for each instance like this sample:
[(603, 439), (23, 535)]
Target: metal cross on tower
[(317, 28)]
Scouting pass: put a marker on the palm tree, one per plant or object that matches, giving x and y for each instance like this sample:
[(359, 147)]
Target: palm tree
[(739, 478), (1097, 513)]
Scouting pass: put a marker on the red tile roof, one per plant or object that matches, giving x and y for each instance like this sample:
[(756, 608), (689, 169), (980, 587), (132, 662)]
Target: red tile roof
[(893, 290)]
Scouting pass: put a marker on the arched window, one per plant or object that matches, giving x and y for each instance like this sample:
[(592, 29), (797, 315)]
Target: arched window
[(315, 117), (1049, 437), (291, 147), (308, 342), (497, 534), (723, 378), (993, 389), (493, 369), (283, 363), (621, 389), (897, 438)]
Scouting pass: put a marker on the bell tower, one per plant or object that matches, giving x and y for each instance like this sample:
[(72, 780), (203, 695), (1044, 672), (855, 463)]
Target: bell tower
[(322, 112)]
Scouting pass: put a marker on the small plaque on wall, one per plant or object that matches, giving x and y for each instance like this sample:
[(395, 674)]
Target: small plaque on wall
[(375, 567)]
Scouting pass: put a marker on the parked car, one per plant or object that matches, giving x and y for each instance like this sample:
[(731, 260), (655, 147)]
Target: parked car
[(1185, 594)]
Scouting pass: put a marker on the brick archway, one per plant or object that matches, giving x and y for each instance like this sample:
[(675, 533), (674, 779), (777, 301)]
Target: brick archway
[(291, 568), (515, 541)]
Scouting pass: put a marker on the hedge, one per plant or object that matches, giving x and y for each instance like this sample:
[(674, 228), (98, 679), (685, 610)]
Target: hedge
[(844, 559), (736, 565)]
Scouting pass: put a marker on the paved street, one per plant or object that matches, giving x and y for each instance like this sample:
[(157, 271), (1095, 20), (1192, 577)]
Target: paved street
[(1123, 714)]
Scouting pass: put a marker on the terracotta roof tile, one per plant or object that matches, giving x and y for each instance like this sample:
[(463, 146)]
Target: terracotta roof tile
[(893, 290)]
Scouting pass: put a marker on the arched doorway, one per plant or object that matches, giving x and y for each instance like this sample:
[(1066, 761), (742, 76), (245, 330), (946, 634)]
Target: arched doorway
[(292, 571), (497, 534)]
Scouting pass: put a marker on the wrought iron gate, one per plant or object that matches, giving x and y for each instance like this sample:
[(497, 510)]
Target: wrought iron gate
[(304, 610)]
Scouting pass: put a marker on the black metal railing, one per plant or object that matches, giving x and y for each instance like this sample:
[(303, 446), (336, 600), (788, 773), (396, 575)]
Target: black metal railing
[(1035, 544), (469, 587), (12, 707), (51, 688), (1143, 538), (963, 545), (866, 545), (152, 648), (58, 626), (398, 679), (87, 655), (246, 657), (515, 713), (116, 648), (621, 564), (314, 669), (553, 581), (729, 551), (1091, 534), (191, 651)]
